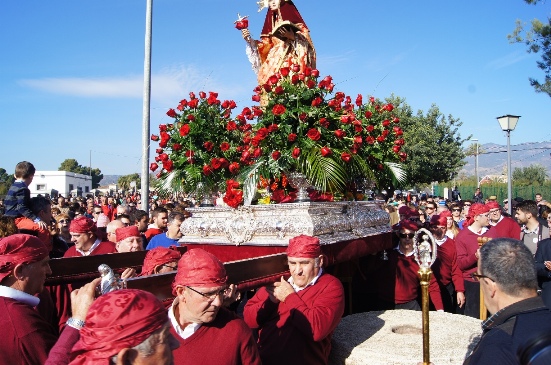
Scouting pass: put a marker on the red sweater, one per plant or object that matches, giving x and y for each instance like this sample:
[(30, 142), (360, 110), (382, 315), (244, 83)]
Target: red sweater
[(103, 248), (445, 267), (397, 281), (225, 341), (466, 244), (507, 227), (297, 331), (26, 336)]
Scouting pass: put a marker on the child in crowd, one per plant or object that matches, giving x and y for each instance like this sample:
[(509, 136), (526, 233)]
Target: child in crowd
[(17, 201)]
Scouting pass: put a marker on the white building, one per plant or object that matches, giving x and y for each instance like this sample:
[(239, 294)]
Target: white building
[(60, 182)]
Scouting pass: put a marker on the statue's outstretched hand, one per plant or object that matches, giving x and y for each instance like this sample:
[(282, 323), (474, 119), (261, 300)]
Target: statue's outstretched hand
[(246, 34)]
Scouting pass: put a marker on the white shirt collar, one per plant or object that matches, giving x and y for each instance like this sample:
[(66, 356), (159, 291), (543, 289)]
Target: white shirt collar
[(397, 248), (89, 252), (190, 328), (314, 280), (441, 242), (7, 292), (495, 224)]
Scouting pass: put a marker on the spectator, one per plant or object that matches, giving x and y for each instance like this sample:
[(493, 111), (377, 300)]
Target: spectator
[(173, 233), (159, 217), (478, 197), (296, 318), (84, 236), (507, 277), (532, 230), (500, 225), (112, 228), (128, 239)]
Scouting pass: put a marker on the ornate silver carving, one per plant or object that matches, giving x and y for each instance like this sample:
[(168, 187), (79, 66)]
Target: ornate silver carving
[(109, 280), (275, 224)]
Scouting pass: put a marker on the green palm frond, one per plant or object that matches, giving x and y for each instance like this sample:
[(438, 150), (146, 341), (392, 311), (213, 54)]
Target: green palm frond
[(250, 179), (399, 174), (324, 173)]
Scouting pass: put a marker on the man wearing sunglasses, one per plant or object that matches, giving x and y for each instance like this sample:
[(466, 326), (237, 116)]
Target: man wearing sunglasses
[(507, 277), (208, 333), (396, 279), (501, 225)]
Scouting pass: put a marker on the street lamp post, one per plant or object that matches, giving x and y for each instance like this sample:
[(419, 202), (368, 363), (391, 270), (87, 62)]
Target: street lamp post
[(476, 163), (508, 124)]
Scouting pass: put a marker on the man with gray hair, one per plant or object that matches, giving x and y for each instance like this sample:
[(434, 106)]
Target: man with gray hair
[(507, 277)]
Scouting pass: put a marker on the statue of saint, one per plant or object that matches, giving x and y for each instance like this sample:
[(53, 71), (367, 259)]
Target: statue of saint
[(284, 41)]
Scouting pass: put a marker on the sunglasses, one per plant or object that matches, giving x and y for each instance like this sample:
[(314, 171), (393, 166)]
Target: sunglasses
[(408, 235), (456, 209), (97, 212), (467, 205)]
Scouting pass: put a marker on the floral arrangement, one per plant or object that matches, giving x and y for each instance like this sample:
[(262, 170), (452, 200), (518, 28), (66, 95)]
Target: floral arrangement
[(299, 124)]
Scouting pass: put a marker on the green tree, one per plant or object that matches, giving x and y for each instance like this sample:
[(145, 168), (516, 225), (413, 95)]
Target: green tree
[(124, 181), (433, 144), (5, 181), (534, 174), (472, 151), (538, 40), (71, 165)]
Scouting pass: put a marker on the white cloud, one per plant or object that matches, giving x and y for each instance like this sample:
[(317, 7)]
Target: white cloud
[(508, 60)]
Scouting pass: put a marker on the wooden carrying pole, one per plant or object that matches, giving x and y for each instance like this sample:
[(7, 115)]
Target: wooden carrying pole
[(483, 309)]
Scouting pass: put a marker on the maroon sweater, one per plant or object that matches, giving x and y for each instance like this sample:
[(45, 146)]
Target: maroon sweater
[(507, 227), (225, 341), (445, 267), (26, 336), (297, 331), (466, 244), (397, 281)]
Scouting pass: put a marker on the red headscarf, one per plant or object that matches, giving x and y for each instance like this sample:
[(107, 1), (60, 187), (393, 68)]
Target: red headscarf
[(201, 269), (158, 256), (304, 246), (474, 210), (405, 224), (83, 225), (125, 232), (493, 205), (287, 12), (117, 320), (445, 213), (20, 249), (439, 220)]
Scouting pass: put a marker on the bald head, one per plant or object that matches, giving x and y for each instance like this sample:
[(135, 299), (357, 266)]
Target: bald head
[(111, 228)]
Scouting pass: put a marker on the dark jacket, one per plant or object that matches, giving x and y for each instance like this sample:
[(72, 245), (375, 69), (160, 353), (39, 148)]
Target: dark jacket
[(511, 329), (543, 253)]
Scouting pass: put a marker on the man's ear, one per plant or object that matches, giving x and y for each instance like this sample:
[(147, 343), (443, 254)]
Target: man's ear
[(492, 285), (126, 356), (157, 268), (180, 289), (18, 272)]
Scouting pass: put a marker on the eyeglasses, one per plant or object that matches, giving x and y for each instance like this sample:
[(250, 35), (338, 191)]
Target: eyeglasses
[(209, 296), (172, 267), (408, 235), (466, 205), (431, 208), (494, 211), (477, 277)]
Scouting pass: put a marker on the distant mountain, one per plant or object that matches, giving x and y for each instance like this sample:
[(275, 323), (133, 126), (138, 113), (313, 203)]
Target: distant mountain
[(109, 179), (494, 159)]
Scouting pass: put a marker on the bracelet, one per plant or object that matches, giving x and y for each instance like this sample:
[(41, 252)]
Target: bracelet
[(75, 323)]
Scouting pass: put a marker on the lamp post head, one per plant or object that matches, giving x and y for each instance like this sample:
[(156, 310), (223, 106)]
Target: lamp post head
[(508, 122)]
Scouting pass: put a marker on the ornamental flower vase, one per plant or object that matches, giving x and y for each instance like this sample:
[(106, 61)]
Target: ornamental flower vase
[(275, 224)]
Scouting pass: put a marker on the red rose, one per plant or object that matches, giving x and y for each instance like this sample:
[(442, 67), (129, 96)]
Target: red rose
[(368, 114), (223, 162), (396, 148), (256, 98), (315, 73), (257, 152), (340, 134), (207, 170), (192, 95), (215, 163), (398, 131), (359, 100), (154, 137), (159, 150), (310, 84), (324, 122), (403, 156), (234, 168), (231, 126), (267, 87), (273, 128), (273, 79), (358, 140), (317, 101), (381, 139), (399, 142), (189, 153), (295, 68), (202, 94), (389, 107), (276, 155), (208, 145), (380, 166), (314, 134), (326, 151), (386, 123), (279, 90), (163, 157), (370, 128), (296, 152), (345, 119), (168, 165), (153, 166), (184, 130), (396, 120), (302, 116), (292, 137), (242, 24), (162, 127), (245, 156), (284, 71), (370, 140), (176, 147), (278, 109), (345, 157), (171, 113), (193, 103), (294, 79), (224, 146), (262, 133)]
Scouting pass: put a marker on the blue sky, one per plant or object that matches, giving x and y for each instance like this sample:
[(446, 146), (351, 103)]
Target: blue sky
[(71, 72)]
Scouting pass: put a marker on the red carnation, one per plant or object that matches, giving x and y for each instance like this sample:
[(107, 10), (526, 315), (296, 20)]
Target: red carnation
[(224, 146)]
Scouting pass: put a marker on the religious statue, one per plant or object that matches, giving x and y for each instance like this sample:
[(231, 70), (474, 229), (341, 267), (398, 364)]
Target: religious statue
[(109, 281), (284, 41)]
